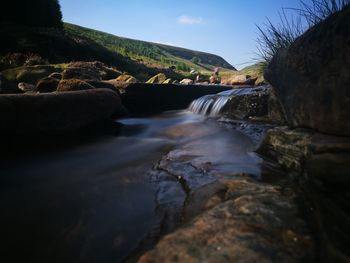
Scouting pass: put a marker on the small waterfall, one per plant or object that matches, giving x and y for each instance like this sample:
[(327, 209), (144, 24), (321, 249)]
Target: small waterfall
[(211, 105)]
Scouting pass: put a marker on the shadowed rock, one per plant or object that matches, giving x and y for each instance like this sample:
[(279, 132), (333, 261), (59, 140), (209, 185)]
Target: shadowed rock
[(56, 112), (312, 77)]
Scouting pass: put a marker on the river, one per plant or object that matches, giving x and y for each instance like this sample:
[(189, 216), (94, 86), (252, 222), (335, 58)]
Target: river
[(95, 201)]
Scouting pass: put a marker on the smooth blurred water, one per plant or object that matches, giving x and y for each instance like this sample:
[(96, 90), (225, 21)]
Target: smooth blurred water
[(92, 202)]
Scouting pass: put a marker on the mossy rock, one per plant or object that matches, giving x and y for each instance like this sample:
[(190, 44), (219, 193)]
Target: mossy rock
[(31, 74), (73, 85), (157, 79), (127, 78)]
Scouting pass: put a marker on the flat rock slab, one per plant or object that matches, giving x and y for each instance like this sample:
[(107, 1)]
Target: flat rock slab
[(56, 112), (213, 180)]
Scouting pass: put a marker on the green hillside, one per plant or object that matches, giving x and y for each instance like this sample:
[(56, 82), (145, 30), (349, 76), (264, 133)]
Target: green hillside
[(152, 54)]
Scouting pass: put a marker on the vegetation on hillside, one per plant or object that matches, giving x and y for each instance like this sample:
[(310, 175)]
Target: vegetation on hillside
[(43, 13), (152, 53), (274, 37)]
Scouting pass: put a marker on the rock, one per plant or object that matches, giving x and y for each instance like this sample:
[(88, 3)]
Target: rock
[(259, 103), (157, 79), (320, 164), (239, 80), (27, 88), (127, 78), (253, 223), (73, 85), (80, 73), (29, 74), (104, 72), (186, 82), (52, 113), (168, 81), (48, 84), (312, 77), (56, 75), (212, 80), (175, 81)]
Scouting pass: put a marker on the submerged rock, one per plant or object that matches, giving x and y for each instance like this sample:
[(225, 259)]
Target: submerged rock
[(312, 77)]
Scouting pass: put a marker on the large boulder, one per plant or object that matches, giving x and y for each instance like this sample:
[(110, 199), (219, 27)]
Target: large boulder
[(56, 112), (73, 85), (157, 79), (27, 88), (312, 77)]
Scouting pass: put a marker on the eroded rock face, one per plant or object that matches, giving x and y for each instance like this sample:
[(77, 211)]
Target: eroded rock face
[(321, 165), (56, 112), (312, 77)]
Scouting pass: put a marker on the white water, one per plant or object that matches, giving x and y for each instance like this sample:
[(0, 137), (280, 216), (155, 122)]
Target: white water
[(211, 105)]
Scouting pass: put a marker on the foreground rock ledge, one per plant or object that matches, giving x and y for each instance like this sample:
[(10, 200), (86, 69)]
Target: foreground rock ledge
[(56, 112)]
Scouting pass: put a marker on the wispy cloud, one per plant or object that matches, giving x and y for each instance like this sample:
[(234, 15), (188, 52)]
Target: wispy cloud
[(189, 20)]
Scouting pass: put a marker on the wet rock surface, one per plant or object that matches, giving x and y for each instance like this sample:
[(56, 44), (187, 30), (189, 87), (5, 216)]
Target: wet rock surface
[(228, 214), (320, 165)]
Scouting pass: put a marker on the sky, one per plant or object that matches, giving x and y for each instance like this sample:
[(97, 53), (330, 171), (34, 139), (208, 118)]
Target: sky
[(223, 27)]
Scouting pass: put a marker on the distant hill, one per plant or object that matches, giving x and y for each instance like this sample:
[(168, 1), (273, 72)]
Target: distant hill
[(152, 54)]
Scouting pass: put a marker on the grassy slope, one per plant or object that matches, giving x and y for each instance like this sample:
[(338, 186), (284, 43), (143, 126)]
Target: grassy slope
[(152, 53)]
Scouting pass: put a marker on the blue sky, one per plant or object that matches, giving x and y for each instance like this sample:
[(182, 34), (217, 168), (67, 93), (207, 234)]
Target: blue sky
[(223, 27)]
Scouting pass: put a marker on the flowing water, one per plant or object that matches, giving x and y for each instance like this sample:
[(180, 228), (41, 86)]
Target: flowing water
[(211, 105), (93, 201)]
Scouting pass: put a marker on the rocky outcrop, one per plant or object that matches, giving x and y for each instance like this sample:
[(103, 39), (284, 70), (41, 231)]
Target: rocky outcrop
[(320, 164), (73, 85), (157, 79), (239, 80), (168, 81), (56, 112), (312, 77)]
